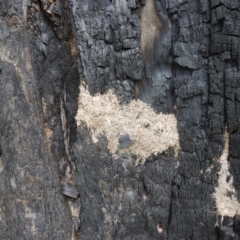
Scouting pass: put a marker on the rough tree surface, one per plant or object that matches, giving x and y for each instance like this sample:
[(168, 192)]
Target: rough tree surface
[(119, 119)]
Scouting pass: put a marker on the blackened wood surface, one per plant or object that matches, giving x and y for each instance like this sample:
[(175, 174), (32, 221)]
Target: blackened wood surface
[(180, 57)]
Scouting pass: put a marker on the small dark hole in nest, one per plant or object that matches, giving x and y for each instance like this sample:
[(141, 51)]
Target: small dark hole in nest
[(227, 179)]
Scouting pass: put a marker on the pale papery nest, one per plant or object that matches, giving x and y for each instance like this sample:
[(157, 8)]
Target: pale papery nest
[(225, 195), (150, 132)]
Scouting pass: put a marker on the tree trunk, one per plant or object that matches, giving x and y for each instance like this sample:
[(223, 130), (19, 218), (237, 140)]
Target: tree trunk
[(119, 119)]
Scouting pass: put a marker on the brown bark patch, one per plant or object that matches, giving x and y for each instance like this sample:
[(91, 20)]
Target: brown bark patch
[(151, 27)]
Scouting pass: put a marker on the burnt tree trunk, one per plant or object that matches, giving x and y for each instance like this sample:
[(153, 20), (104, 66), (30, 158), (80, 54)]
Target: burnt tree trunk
[(119, 119)]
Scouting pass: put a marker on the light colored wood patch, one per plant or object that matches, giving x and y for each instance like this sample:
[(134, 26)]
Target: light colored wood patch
[(1, 165), (47, 130), (73, 48)]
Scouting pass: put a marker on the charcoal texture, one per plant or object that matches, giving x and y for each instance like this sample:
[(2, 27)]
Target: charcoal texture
[(58, 180)]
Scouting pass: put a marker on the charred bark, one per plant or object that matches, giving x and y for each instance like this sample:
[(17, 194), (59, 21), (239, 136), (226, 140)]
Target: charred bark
[(119, 119)]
